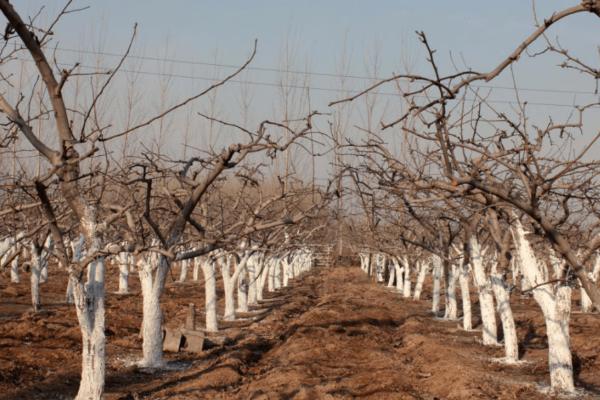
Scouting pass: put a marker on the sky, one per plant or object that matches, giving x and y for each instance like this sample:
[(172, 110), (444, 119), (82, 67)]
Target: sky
[(317, 36)]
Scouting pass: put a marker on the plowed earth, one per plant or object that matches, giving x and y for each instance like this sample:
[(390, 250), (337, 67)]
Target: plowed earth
[(331, 334)]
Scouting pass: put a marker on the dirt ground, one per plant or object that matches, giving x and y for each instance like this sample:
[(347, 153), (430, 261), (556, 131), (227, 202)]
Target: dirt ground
[(332, 334)]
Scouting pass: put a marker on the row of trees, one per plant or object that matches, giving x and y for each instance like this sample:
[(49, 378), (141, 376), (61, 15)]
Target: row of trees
[(489, 192), (90, 205)]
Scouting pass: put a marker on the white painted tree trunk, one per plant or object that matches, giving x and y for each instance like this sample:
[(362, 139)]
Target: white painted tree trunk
[(486, 297), (423, 267), (152, 334), (277, 274), (263, 270), (270, 265), (363, 265), (555, 303), (44, 271), (465, 294), (89, 306), (36, 266), (210, 293), (392, 273), (407, 283), (197, 265), (380, 264), (437, 276), (184, 270), (252, 279), (123, 260), (586, 302), (398, 272), (242, 290), (451, 311), (287, 267), (69, 292), (14, 270), (8, 247), (229, 284), (511, 344), (46, 251), (78, 251)]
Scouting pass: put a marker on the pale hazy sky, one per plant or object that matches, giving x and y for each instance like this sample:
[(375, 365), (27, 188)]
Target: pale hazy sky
[(481, 33)]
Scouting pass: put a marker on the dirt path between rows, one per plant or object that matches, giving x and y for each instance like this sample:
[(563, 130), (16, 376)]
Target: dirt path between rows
[(332, 334)]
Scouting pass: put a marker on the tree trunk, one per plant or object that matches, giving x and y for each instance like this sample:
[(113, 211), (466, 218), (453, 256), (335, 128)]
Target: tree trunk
[(36, 262), (123, 259), (242, 290), (407, 283), (392, 272), (229, 284), (399, 275), (152, 334), (184, 270), (277, 274), (465, 294), (252, 265), (556, 308), (511, 344), (44, 271), (380, 267), (486, 297), (263, 268), (89, 306), (14, 270), (286, 270), (586, 301), (210, 293), (423, 267), (437, 276), (196, 273), (451, 311)]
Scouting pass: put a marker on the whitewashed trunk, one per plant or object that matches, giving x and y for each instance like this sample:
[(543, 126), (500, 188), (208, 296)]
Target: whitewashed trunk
[(407, 283), (437, 276), (559, 344), (229, 284), (270, 265), (152, 334), (14, 270), (362, 262), (263, 268), (44, 271), (124, 274), (242, 290), (69, 292), (399, 274), (89, 306), (380, 267), (277, 274), (556, 308), (465, 294), (451, 311), (392, 273), (36, 262), (252, 280), (511, 344), (486, 296), (586, 302), (184, 270), (420, 279), (286, 271), (197, 266), (210, 293)]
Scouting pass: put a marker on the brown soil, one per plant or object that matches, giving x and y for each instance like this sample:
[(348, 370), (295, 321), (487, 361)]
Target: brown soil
[(332, 334)]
